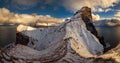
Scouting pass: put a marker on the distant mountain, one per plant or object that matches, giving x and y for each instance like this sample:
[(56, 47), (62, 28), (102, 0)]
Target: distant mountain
[(107, 22)]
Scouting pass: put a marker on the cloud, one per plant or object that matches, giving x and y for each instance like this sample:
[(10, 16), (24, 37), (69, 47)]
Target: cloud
[(8, 17), (117, 14), (97, 6), (108, 9), (104, 10), (5, 15), (49, 1), (100, 10), (26, 2), (95, 17), (4, 11)]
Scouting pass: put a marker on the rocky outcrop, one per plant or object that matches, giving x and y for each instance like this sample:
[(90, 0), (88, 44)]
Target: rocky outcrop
[(86, 16), (70, 42), (21, 39)]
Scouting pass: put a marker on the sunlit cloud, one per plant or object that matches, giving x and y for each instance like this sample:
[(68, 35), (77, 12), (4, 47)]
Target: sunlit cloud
[(97, 6), (26, 2), (8, 17), (100, 10), (95, 17)]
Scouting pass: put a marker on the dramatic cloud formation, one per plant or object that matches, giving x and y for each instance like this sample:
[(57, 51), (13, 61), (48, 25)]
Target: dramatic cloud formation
[(95, 17), (117, 14), (5, 15), (26, 2), (100, 6), (8, 17)]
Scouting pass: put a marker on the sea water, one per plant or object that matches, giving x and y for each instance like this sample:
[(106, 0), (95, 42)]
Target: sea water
[(7, 35)]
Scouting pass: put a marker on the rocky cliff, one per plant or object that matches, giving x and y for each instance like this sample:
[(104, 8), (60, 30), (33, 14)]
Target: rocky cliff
[(70, 42), (86, 16)]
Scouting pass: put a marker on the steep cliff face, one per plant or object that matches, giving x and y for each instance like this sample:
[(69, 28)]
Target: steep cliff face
[(70, 42), (75, 29), (86, 16)]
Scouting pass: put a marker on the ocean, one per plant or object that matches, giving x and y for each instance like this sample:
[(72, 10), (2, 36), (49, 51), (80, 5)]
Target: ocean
[(111, 35), (7, 35)]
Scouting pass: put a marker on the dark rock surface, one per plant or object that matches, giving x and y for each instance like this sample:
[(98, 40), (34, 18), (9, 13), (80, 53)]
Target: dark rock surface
[(21, 39)]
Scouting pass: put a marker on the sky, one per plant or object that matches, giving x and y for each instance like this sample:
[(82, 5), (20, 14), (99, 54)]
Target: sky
[(63, 8)]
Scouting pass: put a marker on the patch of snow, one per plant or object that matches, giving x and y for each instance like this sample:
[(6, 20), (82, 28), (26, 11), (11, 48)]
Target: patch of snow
[(82, 41)]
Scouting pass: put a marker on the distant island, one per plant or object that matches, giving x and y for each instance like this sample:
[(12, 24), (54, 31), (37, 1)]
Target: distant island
[(107, 22)]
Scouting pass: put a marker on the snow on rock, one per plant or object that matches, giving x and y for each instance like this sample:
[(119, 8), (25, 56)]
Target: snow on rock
[(69, 42), (21, 28), (82, 41), (43, 38)]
